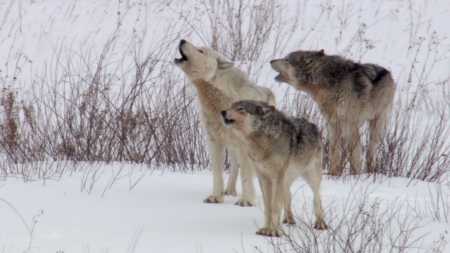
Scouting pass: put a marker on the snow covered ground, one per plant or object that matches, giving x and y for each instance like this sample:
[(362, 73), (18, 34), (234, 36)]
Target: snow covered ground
[(156, 210), (164, 212)]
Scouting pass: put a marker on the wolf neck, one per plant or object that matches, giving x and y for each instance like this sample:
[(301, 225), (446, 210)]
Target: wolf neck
[(265, 135), (211, 98), (259, 137), (307, 87), (317, 85), (259, 140)]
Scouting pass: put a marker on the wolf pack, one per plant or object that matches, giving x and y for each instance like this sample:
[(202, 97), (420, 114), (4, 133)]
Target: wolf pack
[(243, 118)]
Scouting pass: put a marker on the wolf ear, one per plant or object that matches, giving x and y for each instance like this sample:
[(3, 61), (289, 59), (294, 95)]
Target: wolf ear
[(224, 64), (322, 52), (264, 111)]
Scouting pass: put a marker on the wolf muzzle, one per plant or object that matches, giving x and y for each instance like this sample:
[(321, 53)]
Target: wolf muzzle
[(183, 56), (224, 116)]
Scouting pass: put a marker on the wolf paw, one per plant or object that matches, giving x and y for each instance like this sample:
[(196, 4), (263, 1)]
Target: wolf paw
[(230, 192), (320, 224), (214, 199), (272, 232), (245, 202)]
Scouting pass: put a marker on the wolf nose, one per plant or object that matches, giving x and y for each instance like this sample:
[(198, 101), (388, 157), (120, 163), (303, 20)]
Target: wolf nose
[(271, 61), (182, 42), (224, 113)]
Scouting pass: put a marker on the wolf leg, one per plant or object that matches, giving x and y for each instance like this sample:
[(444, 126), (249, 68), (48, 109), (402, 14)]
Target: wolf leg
[(280, 197), (247, 174), (266, 189), (288, 215), (273, 200), (314, 179), (234, 169), (354, 147), (216, 153), (335, 135), (377, 129)]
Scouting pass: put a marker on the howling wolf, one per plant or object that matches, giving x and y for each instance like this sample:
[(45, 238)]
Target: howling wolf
[(282, 149), (348, 94), (219, 84)]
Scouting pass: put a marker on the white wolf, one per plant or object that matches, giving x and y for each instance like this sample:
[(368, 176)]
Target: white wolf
[(219, 84)]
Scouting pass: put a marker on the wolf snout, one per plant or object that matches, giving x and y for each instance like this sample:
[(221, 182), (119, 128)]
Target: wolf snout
[(224, 117)]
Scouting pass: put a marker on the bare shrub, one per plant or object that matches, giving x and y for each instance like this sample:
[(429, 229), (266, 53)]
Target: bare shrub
[(439, 203), (413, 148), (131, 117), (359, 224), (9, 129), (89, 108), (33, 222), (243, 29), (135, 107), (250, 33)]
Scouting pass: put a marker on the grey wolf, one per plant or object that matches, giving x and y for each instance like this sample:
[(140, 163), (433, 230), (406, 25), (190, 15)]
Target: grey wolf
[(282, 150), (347, 94), (218, 84)]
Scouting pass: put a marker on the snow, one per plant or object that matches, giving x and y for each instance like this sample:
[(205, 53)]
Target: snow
[(156, 210), (166, 208), (164, 212)]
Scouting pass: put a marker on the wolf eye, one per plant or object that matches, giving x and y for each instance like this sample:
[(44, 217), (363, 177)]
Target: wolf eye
[(241, 109), (307, 60), (201, 51), (286, 59)]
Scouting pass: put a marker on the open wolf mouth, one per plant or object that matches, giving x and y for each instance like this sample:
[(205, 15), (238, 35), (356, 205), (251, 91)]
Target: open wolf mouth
[(282, 77), (279, 78), (183, 56), (228, 121), (225, 120)]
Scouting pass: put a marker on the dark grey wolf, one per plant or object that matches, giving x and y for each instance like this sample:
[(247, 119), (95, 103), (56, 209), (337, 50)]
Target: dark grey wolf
[(348, 94), (282, 149), (219, 84)]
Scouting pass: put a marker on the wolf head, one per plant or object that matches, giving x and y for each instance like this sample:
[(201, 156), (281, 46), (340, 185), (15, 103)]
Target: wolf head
[(200, 63), (247, 116), (296, 65)]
